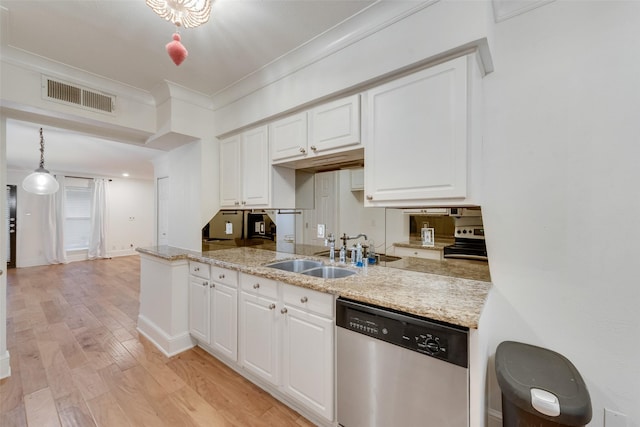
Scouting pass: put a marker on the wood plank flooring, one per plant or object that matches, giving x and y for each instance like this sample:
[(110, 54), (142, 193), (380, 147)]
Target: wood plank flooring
[(77, 359)]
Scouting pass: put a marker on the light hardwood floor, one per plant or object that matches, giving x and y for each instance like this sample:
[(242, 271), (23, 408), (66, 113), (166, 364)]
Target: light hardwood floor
[(77, 360)]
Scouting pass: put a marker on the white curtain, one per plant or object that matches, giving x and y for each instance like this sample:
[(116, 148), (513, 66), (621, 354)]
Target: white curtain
[(54, 250), (97, 232)]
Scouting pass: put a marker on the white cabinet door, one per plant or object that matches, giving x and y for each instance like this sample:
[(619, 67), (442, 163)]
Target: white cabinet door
[(308, 374), (417, 136), (230, 172), (199, 308), (335, 124), (288, 137), (256, 168), (224, 320), (259, 338)]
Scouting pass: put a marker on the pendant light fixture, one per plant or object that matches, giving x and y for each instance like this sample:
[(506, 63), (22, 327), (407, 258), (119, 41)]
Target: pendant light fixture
[(41, 181), (183, 13)]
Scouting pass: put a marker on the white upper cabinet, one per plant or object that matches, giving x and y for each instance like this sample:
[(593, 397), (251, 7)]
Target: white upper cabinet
[(335, 125), (247, 179), (230, 171), (289, 137), (419, 138), (256, 177), (330, 128)]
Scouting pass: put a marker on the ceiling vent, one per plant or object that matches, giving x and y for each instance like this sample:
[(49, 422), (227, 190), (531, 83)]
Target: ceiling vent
[(66, 93)]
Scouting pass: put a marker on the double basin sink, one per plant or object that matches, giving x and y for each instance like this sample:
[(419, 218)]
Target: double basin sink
[(310, 267)]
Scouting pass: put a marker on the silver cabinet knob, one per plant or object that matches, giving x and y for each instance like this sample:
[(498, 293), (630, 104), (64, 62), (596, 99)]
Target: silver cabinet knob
[(221, 276), (369, 197), (236, 203), (284, 310), (244, 202), (196, 268), (313, 148), (205, 284), (256, 286), (302, 150), (272, 306), (304, 299)]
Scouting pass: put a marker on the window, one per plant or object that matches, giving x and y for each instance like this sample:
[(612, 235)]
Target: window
[(77, 207)]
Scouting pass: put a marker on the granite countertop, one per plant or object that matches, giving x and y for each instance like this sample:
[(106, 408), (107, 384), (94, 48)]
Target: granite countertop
[(417, 244), (454, 300)]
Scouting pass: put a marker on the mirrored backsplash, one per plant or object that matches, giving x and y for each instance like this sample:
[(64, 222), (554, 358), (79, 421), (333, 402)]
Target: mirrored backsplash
[(444, 241)]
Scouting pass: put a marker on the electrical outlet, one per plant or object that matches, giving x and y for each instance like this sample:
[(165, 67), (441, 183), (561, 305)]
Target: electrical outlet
[(320, 231), (614, 419)]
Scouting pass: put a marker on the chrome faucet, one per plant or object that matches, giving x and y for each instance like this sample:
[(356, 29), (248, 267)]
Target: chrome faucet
[(346, 238)]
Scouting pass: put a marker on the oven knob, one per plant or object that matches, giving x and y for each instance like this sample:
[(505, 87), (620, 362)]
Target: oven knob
[(432, 346), (385, 331)]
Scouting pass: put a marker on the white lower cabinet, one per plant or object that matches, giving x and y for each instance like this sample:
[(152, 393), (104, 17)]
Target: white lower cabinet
[(307, 361), (224, 320), (258, 327), (286, 337), (213, 308), (418, 253)]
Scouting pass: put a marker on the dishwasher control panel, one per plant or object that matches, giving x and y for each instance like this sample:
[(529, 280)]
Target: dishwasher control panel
[(426, 336)]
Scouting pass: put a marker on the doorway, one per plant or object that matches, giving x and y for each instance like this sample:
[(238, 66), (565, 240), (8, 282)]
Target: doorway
[(12, 207), (162, 231)]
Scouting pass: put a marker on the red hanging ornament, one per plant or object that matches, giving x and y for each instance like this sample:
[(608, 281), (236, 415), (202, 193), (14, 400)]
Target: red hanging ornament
[(176, 50)]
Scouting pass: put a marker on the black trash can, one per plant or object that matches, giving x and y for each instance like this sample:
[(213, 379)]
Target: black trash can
[(540, 388)]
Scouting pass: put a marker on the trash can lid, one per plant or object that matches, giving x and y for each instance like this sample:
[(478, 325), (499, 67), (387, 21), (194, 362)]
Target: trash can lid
[(522, 367)]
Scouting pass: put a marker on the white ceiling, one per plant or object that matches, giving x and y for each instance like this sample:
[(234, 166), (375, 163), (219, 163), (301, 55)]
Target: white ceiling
[(124, 41)]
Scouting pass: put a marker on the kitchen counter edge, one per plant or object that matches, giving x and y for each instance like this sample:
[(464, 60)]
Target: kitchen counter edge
[(448, 299)]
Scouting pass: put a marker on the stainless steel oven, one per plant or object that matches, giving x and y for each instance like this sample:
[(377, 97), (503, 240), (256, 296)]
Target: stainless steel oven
[(395, 369)]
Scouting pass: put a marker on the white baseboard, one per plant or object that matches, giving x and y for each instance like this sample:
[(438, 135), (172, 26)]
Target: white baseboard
[(5, 365), (168, 345), (124, 252)]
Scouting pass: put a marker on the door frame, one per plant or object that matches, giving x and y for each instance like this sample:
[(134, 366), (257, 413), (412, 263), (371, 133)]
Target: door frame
[(12, 224)]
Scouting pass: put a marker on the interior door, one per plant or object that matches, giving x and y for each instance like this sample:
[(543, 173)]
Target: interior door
[(163, 211), (326, 211), (12, 207)]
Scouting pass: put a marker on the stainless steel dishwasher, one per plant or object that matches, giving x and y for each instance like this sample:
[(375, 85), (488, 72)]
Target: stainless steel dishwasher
[(394, 369)]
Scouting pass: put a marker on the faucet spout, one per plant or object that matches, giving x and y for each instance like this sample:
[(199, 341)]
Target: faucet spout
[(346, 238)]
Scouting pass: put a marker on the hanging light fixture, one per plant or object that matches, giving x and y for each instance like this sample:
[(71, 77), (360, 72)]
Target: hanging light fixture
[(40, 181), (183, 13)]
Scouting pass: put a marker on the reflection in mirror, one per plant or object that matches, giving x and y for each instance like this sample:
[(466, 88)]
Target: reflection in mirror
[(445, 241)]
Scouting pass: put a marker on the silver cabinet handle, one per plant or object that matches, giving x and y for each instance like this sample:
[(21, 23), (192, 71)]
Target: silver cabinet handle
[(236, 203), (205, 284), (221, 276), (196, 268), (244, 202), (272, 306), (302, 150), (369, 197), (304, 299), (313, 148), (256, 286), (284, 310), (212, 285)]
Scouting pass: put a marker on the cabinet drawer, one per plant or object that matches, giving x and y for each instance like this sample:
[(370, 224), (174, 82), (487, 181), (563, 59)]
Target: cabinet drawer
[(308, 299), (435, 254), (259, 286), (224, 276), (199, 269)]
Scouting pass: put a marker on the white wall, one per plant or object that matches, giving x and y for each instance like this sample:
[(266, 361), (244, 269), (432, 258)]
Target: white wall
[(5, 368), (561, 151), (193, 200), (127, 198)]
